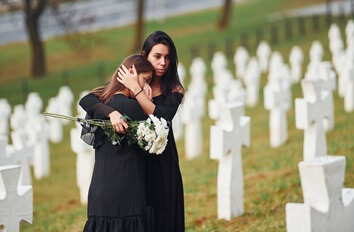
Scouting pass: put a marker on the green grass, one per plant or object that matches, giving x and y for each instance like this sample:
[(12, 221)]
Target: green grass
[(271, 176)]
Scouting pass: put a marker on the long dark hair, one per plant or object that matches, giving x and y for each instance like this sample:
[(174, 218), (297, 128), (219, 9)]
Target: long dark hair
[(170, 80), (106, 92)]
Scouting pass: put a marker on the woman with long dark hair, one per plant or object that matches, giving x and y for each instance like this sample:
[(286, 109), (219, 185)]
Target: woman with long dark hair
[(164, 187), (117, 194)]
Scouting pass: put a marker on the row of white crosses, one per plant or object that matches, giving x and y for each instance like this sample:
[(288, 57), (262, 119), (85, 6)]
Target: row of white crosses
[(327, 206), (193, 109), (343, 61), (30, 145), (85, 157)]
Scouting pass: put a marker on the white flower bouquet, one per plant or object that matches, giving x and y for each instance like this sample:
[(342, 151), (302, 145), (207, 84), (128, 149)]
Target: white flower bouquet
[(150, 135)]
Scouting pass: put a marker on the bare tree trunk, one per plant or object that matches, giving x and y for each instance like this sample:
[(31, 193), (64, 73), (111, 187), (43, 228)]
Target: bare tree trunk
[(225, 15), (33, 10), (139, 27)]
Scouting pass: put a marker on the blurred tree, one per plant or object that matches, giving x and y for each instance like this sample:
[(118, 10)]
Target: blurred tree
[(139, 27), (33, 9), (225, 15)]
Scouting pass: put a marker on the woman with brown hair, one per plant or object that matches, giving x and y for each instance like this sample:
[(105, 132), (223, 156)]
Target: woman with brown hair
[(117, 197), (164, 186)]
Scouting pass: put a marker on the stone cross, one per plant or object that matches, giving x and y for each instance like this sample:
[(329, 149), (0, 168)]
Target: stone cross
[(296, 58), (263, 55), (323, 72), (251, 80), (225, 146), (177, 124), (349, 32), (4, 157), (327, 206), (316, 53), (38, 133), (192, 113), (18, 123), (5, 111), (55, 124), (16, 202), (349, 92), (22, 156), (310, 113), (198, 67), (241, 58), (84, 163), (218, 63), (335, 39), (277, 99), (66, 98), (34, 104)]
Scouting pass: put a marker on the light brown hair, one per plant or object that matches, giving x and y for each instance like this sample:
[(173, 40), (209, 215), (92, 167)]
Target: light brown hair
[(106, 92)]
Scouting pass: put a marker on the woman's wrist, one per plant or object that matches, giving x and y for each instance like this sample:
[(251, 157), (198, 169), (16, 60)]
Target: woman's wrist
[(114, 113), (136, 89)]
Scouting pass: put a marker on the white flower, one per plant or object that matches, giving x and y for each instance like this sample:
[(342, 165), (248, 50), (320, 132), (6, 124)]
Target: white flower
[(153, 148), (161, 143), (150, 136)]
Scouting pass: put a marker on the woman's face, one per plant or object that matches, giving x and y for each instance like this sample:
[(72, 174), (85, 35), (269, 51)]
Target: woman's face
[(144, 78), (159, 57)]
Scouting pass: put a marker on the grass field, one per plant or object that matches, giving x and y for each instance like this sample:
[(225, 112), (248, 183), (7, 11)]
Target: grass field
[(271, 175)]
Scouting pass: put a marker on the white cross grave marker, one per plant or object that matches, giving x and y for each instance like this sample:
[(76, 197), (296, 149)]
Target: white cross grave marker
[(310, 113), (296, 57), (263, 55), (277, 99), (177, 125), (327, 206), (226, 141), (192, 113), (241, 58), (5, 111), (55, 124), (22, 156), (16, 202), (251, 80)]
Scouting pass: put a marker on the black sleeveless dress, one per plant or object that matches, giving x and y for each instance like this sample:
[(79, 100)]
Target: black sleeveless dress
[(164, 186), (117, 197)]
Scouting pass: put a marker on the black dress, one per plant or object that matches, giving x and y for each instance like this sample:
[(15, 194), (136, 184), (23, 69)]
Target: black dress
[(164, 187), (117, 197)]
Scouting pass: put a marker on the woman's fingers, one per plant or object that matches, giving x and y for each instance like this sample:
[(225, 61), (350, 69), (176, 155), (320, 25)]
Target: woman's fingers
[(134, 70), (125, 125), (124, 68)]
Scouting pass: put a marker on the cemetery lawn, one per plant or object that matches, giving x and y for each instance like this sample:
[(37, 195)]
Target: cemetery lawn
[(271, 177)]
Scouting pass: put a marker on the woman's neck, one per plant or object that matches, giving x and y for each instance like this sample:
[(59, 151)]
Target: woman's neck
[(156, 82)]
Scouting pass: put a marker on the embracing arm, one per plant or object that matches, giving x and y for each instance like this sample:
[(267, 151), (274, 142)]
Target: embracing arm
[(90, 103), (170, 106), (93, 106)]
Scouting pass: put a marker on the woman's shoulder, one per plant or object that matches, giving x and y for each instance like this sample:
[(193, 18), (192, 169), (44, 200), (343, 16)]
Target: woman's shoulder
[(178, 89)]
